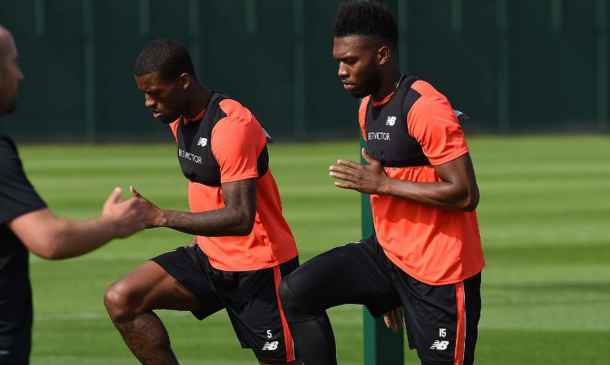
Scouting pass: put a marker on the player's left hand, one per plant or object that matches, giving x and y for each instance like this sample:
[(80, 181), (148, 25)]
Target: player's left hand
[(152, 214), (367, 179)]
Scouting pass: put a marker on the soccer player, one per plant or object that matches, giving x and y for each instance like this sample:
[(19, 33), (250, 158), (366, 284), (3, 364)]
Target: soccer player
[(27, 224), (242, 245), (426, 253)]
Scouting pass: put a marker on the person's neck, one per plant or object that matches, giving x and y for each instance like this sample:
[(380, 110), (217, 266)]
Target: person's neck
[(198, 102), (389, 84)]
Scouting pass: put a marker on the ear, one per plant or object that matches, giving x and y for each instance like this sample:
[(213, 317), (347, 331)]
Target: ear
[(185, 80), (383, 55)]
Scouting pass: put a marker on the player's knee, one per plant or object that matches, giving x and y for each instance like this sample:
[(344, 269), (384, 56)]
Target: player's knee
[(291, 304), (287, 297), (118, 301)]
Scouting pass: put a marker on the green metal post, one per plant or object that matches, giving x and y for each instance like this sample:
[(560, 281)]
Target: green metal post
[(403, 19), (381, 345), (601, 24), (89, 71), (144, 18), (502, 77), (298, 31), (39, 17), (195, 34)]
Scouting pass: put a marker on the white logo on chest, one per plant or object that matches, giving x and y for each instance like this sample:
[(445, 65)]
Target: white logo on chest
[(202, 142), (391, 121)]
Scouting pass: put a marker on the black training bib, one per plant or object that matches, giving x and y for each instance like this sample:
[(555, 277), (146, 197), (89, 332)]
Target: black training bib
[(195, 155), (387, 136)]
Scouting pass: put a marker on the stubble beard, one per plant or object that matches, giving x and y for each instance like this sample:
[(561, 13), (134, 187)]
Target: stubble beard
[(371, 82)]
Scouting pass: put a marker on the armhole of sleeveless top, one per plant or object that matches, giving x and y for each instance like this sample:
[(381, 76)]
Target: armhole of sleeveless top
[(364, 104), (408, 105)]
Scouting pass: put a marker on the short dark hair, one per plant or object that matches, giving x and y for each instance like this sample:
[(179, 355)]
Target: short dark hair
[(366, 18), (165, 56)]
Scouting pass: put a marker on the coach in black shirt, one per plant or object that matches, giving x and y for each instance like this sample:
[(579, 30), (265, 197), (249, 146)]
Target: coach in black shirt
[(27, 224)]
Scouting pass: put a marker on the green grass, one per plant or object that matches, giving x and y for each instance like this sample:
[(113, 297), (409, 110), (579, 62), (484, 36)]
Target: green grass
[(544, 212)]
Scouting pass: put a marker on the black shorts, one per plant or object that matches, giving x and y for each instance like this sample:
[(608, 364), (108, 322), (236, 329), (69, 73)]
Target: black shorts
[(441, 321), (250, 298)]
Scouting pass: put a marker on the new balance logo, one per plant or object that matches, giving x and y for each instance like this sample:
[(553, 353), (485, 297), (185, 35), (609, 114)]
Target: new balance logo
[(270, 346), (391, 121), (439, 345), (202, 142)]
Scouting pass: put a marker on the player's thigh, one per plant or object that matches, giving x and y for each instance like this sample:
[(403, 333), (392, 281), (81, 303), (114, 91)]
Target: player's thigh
[(350, 274), (441, 320), (149, 287), (256, 314), (191, 271)]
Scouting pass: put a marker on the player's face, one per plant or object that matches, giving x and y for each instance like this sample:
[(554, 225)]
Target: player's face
[(357, 65), (10, 74), (165, 98)]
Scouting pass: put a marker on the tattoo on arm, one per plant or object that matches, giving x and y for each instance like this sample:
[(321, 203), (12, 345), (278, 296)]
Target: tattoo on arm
[(235, 219)]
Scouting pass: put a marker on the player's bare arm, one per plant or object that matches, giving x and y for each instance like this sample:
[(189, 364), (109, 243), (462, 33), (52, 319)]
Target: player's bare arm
[(457, 190), (235, 219), (54, 238)]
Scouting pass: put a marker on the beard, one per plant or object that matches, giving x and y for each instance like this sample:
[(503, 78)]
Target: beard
[(168, 119), (370, 82)]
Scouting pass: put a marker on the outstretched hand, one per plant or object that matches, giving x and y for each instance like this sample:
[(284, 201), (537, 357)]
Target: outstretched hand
[(367, 179), (152, 214), (126, 215)]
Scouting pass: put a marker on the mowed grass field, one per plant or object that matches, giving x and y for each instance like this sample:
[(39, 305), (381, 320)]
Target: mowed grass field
[(544, 218)]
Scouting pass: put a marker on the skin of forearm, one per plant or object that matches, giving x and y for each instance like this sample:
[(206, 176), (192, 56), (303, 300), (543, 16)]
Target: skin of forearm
[(437, 194), (236, 218), (72, 238), (213, 223), (457, 189)]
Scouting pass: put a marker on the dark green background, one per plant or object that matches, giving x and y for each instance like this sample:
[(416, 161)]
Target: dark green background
[(515, 66)]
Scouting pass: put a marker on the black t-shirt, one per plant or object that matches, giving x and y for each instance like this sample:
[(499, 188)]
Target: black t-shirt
[(17, 197)]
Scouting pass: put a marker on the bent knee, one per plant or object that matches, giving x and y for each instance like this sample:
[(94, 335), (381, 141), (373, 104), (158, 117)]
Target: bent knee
[(292, 305), (285, 293), (121, 301)]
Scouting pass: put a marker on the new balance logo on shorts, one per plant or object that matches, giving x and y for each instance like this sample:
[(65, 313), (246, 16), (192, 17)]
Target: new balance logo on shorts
[(439, 345), (270, 346)]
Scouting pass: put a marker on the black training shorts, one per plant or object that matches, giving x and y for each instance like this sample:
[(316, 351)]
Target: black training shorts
[(250, 298), (441, 320)]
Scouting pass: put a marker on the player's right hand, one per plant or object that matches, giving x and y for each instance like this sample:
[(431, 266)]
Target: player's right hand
[(126, 216), (153, 215)]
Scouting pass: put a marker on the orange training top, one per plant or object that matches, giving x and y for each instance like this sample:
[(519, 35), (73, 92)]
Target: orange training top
[(236, 141), (433, 245)]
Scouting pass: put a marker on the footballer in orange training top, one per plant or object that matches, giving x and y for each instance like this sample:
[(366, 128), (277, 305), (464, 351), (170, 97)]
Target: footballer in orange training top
[(426, 253), (241, 246)]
